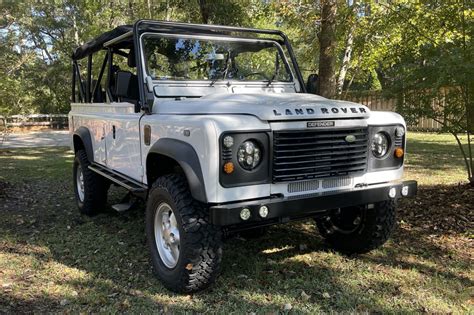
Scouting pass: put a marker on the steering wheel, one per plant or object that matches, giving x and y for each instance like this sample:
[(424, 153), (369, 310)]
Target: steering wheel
[(255, 73)]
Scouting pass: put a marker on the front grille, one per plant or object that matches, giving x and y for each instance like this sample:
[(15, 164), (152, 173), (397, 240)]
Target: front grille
[(308, 154)]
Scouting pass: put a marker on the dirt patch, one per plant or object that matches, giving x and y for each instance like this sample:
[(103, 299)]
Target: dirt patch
[(441, 210)]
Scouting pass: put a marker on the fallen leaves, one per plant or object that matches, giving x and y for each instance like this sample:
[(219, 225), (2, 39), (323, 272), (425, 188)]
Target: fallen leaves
[(305, 297), (303, 247), (287, 307), (441, 209), (438, 216)]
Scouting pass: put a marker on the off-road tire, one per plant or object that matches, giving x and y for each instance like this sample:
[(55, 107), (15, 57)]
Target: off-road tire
[(373, 231), (95, 186), (200, 251)]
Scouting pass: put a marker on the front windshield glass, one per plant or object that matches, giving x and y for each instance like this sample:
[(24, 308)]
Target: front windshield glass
[(168, 58)]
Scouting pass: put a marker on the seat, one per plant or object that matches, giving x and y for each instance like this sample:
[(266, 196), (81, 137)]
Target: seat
[(126, 87)]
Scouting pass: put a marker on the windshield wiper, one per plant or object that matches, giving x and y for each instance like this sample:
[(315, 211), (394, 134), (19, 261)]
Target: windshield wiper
[(277, 71)]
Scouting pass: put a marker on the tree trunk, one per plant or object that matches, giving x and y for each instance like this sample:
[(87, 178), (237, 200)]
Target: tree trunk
[(346, 61), (168, 11), (327, 44), (204, 8), (75, 30), (148, 3)]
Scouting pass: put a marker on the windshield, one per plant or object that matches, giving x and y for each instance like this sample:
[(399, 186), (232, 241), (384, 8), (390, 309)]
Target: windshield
[(168, 58)]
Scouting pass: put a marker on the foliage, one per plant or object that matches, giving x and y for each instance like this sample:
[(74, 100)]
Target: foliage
[(419, 51), (433, 69), (38, 37)]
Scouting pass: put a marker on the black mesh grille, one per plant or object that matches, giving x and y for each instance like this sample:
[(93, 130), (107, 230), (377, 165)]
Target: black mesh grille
[(308, 154)]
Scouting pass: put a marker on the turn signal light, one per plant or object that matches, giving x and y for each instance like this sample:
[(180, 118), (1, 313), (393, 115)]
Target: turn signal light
[(399, 152), (229, 167)]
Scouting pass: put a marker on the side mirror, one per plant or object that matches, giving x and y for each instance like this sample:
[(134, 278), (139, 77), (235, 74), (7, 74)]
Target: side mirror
[(312, 84)]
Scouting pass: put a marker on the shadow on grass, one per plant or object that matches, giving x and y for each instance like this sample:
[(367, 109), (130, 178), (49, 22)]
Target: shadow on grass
[(257, 275), (104, 259)]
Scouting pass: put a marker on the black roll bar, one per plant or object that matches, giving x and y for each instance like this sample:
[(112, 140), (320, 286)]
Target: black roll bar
[(101, 73), (89, 79)]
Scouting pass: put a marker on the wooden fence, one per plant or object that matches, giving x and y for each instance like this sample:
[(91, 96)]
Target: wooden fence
[(377, 102), (374, 100), (54, 121)]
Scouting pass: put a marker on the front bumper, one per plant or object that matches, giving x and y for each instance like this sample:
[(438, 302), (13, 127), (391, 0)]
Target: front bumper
[(285, 209)]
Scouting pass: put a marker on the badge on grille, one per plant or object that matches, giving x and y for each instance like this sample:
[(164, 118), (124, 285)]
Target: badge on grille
[(322, 123), (350, 138)]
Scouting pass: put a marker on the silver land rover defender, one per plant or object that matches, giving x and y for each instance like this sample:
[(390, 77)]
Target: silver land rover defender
[(215, 128)]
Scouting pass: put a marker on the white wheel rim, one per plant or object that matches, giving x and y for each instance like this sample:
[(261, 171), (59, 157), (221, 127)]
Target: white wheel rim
[(167, 235), (80, 183)]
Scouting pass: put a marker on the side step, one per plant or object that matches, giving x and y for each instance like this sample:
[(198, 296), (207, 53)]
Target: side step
[(128, 183), (128, 202)]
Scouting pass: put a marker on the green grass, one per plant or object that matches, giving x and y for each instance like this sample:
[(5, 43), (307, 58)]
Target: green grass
[(54, 260), (434, 159)]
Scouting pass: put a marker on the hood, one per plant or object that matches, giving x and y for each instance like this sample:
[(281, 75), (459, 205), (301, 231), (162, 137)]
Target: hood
[(267, 107)]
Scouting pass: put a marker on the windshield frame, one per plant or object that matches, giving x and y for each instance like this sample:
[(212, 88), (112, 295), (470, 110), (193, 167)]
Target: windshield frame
[(224, 81)]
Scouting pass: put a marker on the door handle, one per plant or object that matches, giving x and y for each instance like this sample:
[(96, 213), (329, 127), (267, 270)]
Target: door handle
[(113, 132)]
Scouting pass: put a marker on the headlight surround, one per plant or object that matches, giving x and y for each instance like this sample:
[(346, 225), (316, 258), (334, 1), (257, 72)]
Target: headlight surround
[(396, 139), (249, 154), (254, 165), (380, 144)]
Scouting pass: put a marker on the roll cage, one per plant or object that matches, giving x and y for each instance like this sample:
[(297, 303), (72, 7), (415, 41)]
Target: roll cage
[(128, 37)]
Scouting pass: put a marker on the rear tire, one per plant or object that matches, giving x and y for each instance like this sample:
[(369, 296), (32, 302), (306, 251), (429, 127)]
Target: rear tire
[(90, 188), (185, 249), (358, 229)]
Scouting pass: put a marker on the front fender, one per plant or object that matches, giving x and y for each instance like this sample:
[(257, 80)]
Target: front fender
[(185, 155)]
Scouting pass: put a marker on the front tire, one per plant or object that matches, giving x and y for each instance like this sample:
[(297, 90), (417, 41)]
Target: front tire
[(90, 188), (185, 249), (356, 230)]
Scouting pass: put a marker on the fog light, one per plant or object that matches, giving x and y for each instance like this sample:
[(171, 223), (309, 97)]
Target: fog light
[(245, 214), (405, 191), (263, 211), (392, 192)]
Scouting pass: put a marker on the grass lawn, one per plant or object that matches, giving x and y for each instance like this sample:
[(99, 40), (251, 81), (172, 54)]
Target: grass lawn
[(54, 260)]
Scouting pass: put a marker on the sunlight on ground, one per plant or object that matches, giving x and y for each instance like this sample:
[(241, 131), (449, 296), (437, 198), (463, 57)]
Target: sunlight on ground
[(54, 260)]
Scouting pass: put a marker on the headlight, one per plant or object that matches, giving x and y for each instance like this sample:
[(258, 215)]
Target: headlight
[(380, 145), (249, 155)]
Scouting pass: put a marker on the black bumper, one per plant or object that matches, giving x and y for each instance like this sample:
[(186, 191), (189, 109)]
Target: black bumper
[(286, 209)]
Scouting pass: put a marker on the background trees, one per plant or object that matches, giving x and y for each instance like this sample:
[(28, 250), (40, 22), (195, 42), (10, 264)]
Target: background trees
[(418, 51)]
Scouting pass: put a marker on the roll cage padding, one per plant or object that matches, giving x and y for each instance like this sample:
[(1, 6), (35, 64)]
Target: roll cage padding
[(84, 134), (185, 155)]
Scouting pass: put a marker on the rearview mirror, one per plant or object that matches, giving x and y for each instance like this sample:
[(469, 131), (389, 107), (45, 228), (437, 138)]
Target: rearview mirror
[(312, 84)]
